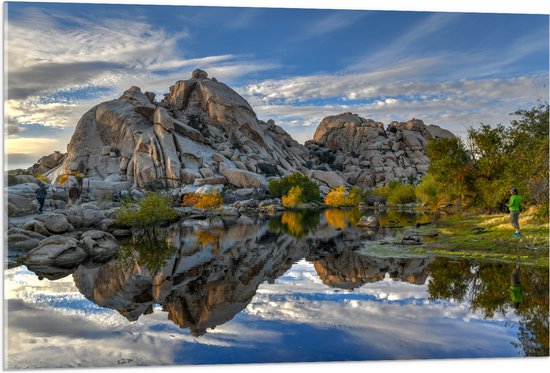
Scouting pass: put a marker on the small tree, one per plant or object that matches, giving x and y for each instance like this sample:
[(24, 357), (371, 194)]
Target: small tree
[(280, 187), (146, 214)]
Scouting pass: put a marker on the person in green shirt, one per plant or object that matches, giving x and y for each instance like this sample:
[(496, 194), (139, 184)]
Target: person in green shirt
[(513, 206)]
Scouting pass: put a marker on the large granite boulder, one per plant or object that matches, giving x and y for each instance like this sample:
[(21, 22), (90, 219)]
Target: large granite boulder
[(58, 251), (330, 178), (134, 141), (243, 179), (101, 245), (23, 240), (21, 199), (55, 223), (47, 163)]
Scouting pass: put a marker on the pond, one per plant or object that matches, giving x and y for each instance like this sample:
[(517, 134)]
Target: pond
[(304, 286)]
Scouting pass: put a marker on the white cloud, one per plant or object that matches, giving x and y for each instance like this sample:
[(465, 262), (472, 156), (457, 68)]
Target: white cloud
[(336, 20), (56, 62), (452, 104)]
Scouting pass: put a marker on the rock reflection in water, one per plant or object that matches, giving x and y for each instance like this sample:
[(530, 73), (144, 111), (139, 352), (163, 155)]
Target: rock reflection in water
[(212, 271), (207, 271)]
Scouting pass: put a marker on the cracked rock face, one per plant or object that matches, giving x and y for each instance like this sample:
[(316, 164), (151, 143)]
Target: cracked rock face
[(202, 125), (366, 154)]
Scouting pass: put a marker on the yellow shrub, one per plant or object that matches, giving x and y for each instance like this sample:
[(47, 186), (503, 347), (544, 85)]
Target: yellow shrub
[(293, 198), (209, 200), (41, 178), (338, 197), (190, 199), (63, 178), (203, 201)]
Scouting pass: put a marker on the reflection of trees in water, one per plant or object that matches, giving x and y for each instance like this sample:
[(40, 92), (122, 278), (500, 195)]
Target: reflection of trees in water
[(487, 287), (151, 255), (295, 223), (342, 218)]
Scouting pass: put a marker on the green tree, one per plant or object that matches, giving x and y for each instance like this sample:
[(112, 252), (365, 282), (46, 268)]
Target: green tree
[(280, 187), (146, 214), (451, 165)]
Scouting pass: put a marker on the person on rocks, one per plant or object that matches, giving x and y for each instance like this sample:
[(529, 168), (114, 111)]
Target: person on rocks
[(514, 207), (41, 194), (74, 194)]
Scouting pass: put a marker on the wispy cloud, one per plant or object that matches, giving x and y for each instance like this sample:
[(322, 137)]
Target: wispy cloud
[(60, 65), (326, 25), (453, 104)]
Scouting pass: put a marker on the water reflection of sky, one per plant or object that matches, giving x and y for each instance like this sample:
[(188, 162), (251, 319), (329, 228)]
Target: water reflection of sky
[(298, 318)]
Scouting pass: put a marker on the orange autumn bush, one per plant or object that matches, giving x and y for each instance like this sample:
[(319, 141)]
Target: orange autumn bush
[(293, 198), (338, 197), (203, 201)]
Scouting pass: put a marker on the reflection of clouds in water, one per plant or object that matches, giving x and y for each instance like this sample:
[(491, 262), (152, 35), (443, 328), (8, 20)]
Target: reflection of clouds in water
[(388, 313), (390, 319)]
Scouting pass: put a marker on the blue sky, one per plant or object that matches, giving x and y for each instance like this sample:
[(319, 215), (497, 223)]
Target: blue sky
[(295, 66)]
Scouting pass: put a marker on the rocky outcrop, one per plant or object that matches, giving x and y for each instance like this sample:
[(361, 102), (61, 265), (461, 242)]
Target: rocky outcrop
[(203, 133), (101, 245), (56, 251), (366, 154), (47, 163), (22, 200), (200, 128)]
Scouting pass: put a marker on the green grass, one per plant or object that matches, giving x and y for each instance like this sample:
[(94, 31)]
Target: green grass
[(457, 237)]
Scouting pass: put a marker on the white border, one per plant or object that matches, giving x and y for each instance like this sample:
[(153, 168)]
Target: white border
[(530, 365)]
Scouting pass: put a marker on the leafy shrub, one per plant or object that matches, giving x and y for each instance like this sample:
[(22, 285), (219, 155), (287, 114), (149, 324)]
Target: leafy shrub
[(203, 201), (355, 196), (293, 198), (338, 197), (268, 169), (41, 177), (147, 213), (427, 190), (401, 195), (209, 200), (191, 199), (63, 179), (395, 193), (280, 187)]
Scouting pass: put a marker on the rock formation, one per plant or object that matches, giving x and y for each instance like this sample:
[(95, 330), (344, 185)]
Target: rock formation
[(47, 163), (215, 270), (201, 132), (366, 155)]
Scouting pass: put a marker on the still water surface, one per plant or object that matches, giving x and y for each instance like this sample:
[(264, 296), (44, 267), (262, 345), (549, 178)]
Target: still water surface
[(298, 287)]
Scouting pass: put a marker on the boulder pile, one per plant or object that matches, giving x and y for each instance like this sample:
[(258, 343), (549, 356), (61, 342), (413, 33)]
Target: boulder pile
[(365, 154)]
